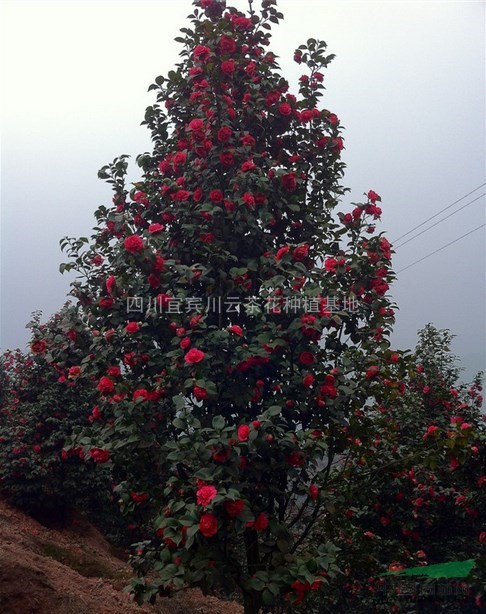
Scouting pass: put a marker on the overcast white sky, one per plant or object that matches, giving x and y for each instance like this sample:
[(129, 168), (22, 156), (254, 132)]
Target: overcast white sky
[(408, 83)]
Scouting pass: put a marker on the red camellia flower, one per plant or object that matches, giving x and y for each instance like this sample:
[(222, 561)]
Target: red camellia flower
[(97, 260), (228, 67), (281, 253), (249, 165), (308, 380), (110, 283), (198, 194), (154, 280), (205, 495), (207, 237), (307, 358), (430, 431), (307, 115), (139, 497), (181, 196), (301, 252), (289, 182), (372, 372), (201, 53), (373, 196), (379, 286), (95, 413), (237, 330), (234, 508), (133, 244), (313, 492), (105, 385), (227, 45), (329, 389), (105, 303), (285, 109), (180, 158), (249, 200), (194, 355), (185, 343), (224, 134), (243, 432), (155, 228), (200, 393), (330, 265), (338, 143), (141, 393), (208, 525), (454, 463), (99, 455), (132, 328), (74, 372), (248, 141), (227, 158), (38, 347), (216, 196), (196, 125), (261, 523)]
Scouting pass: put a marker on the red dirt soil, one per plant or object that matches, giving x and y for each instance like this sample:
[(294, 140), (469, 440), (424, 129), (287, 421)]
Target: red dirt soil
[(75, 571)]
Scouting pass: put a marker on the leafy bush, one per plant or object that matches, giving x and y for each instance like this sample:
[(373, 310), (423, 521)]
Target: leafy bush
[(415, 489), (45, 395), (238, 319)]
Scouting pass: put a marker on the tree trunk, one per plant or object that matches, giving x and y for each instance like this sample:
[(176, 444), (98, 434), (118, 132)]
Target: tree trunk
[(252, 599), (251, 603)]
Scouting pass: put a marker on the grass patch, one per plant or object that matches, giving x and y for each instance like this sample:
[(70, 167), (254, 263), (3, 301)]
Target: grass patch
[(86, 566)]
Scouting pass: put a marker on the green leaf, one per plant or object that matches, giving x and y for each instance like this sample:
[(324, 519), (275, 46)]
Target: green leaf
[(179, 424), (218, 423), (275, 410), (179, 402)]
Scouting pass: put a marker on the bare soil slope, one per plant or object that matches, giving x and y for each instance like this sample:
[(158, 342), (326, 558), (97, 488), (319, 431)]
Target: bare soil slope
[(75, 571)]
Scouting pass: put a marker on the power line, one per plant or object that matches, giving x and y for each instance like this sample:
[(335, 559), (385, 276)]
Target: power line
[(441, 248), (439, 212), (440, 221)]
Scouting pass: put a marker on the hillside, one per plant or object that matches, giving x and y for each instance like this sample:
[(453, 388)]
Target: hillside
[(74, 570)]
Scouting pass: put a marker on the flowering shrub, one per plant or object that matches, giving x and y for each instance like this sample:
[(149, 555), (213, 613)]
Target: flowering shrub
[(45, 395), (238, 321), (416, 480)]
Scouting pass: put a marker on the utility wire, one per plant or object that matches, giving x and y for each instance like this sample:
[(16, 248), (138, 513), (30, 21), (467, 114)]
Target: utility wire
[(441, 248), (439, 212), (440, 221)]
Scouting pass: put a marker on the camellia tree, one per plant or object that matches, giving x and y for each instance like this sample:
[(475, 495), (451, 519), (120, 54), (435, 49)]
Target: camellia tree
[(238, 321), (415, 489), (44, 396)]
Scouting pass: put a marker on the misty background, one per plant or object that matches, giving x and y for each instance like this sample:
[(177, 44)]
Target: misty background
[(408, 84)]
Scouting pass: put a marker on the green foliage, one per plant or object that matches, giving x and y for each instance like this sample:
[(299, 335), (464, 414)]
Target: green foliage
[(46, 394), (415, 488)]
